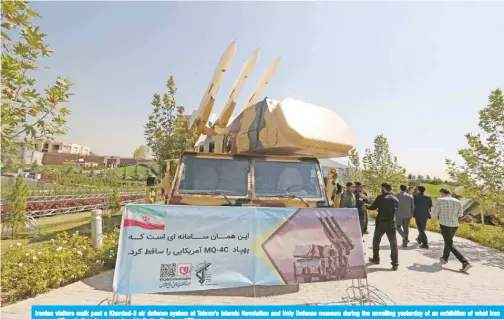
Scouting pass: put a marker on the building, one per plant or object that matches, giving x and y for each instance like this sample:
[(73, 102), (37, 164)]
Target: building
[(23, 154), (62, 147)]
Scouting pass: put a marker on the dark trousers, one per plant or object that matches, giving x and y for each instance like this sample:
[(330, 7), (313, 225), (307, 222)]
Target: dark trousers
[(421, 225), (363, 220), (403, 227), (448, 233), (390, 230)]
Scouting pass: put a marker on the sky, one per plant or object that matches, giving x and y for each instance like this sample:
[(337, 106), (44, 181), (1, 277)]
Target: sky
[(417, 72)]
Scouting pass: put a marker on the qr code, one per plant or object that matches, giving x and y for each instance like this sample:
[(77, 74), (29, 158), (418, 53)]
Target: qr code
[(168, 270)]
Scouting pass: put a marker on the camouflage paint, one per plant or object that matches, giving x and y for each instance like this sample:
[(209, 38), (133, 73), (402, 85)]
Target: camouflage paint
[(257, 125), (264, 129)]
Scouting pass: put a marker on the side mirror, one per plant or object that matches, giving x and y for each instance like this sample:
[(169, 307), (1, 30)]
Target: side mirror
[(323, 204)]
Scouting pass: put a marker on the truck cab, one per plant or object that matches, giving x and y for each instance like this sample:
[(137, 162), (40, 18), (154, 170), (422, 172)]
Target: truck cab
[(213, 179)]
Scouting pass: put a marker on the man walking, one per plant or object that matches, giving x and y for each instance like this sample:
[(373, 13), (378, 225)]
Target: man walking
[(423, 205), (449, 210), (361, 202), (404, 214), (387, 205), (348, 197)]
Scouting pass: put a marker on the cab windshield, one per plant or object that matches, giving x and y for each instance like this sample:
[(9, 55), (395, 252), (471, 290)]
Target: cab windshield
[(276, 179), (210, 176)]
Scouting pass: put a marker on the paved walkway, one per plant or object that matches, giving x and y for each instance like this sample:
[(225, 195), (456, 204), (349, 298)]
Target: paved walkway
[(421, 279)]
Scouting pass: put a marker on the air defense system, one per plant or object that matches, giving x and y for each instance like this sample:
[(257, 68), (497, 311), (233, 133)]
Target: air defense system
[(267, 155), (324, 262)]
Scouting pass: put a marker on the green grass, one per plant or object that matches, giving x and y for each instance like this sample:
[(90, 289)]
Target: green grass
[(130, 170), (485, 235), (433, 190)]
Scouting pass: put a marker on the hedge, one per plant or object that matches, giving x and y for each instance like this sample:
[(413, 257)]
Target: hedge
[(486, 235), (58, 262)]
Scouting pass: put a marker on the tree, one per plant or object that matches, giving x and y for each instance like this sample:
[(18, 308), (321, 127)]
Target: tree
[(167, 132), (16, 206), (140, 152), (27, 115), (34, 169), (114, 202), (124, 173), (410, 177), (482, 174), (9, 166), (136, 173), (354, 170), (420, 177), (380, 166)]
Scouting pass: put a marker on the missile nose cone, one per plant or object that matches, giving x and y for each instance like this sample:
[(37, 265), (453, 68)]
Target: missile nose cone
[(231, 47)]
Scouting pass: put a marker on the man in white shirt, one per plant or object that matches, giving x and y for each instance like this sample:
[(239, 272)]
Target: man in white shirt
[(449, 211)]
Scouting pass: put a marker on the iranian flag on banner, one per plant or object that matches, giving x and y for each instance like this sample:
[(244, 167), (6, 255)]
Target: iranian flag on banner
[(144, 217)]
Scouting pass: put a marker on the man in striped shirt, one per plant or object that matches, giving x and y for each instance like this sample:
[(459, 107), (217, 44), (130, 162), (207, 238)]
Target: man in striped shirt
[(449, 211)]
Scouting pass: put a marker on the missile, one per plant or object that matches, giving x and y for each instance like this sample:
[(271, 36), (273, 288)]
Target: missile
[(266, 78), (223, 119), (200, 116)]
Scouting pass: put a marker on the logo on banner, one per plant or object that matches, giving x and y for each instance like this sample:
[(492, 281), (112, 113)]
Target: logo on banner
[(203, 273), (184, 269), (175, 275)]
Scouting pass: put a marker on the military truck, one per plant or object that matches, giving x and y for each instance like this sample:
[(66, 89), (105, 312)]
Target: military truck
[(319, 262), (266, 156)]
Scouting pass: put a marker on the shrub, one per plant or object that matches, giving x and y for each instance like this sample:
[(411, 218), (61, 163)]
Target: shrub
[(65, 259), (16, 205), (486, 235)]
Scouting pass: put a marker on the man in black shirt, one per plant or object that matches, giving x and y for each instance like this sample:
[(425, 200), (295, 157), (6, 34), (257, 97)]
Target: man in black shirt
[(423, 205), (387, 205)]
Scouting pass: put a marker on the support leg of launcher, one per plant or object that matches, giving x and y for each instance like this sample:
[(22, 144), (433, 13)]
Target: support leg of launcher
[(223, 119)]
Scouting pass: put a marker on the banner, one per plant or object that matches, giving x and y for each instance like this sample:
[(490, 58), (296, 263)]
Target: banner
[(165, 248), (263, 312)]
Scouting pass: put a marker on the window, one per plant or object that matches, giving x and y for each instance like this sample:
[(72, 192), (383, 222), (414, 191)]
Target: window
[(46, 146), (202, 148), (211, 147), (284, 178), (55, 147), (209, 175)]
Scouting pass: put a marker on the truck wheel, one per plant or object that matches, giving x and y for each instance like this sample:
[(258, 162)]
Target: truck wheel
[(307, 279), (323, 278)]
